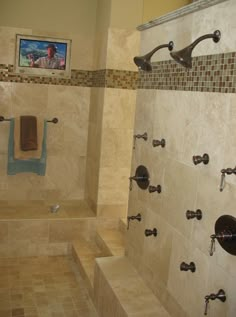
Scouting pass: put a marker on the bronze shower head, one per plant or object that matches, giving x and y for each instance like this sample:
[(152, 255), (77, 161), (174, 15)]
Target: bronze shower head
[(184, 56), (144, 62)]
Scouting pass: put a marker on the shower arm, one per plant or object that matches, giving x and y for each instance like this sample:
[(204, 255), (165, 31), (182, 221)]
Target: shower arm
[(215, 36), (169, 45)]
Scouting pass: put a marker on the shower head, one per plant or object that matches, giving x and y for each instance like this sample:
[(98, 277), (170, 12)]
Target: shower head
[(184, 56), (144, 62)]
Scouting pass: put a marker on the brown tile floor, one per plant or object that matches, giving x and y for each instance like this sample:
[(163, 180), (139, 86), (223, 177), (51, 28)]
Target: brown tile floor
[(42, 287)]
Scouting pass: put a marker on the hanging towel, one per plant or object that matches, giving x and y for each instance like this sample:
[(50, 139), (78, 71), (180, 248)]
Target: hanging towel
[(28, 133), (30, 165), (18, 153)]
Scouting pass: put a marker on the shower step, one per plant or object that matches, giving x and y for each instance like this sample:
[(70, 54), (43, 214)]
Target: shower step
[(84, 253), (111, 241), (120, 291), (123, 225)]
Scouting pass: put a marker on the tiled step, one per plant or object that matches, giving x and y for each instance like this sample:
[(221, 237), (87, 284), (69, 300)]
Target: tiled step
[(110, 241), (84, 254), (120, 291), (123, 225), (107, 242)]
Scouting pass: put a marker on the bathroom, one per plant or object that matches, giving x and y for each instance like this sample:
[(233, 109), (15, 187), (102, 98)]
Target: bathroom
[(90, 158)]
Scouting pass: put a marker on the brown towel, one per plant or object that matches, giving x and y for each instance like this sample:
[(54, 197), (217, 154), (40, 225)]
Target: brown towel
[(28, 133), (24, 155)]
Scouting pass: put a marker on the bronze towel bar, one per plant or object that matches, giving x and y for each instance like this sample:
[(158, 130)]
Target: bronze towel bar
[(54, 120)]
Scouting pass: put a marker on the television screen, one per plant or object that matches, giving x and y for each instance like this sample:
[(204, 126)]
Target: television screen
[(42, 56)]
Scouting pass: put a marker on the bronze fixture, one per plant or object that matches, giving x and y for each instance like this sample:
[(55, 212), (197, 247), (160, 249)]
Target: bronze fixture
[(149, 232), (54, 120), (144, 62), (194, 214), (3, 119), (153, 189), (162, 143), (227, 171), (143, 136), (137, 217), (197, 159), (141, 177), (184, 56), (188, 267), (220, 295), (225, 233)]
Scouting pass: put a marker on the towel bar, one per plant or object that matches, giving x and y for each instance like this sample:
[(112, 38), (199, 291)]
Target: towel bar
[(3, 119), (54, 120)]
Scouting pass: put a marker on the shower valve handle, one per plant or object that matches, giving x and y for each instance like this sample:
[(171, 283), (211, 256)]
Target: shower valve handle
[(143, 136), (228, 171), (220, 295), (212, 246), (137, 217)]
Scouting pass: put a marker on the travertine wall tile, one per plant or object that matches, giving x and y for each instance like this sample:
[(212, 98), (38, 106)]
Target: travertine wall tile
[(175, 105)]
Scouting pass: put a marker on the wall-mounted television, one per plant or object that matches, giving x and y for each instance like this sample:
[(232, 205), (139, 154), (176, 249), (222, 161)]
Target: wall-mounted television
[(42, 56)]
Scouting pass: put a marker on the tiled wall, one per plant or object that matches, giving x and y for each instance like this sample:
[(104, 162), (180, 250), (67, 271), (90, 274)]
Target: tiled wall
[(66, 141), (209, 73), (111, 124), (192, 123)]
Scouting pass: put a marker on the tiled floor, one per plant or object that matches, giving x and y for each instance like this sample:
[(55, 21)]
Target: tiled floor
[(42, 287)]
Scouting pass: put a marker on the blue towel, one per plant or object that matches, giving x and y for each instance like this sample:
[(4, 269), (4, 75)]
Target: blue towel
[(33, 165)]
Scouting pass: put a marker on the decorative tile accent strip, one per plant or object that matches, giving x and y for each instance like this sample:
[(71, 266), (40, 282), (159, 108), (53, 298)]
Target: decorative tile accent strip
[(121, 79), (100, 78), (210, 73), (190, 8)]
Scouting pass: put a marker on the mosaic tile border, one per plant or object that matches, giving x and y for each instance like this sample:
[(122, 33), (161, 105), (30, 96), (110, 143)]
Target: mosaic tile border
[(190, 8), (110, 78), (210, 73)]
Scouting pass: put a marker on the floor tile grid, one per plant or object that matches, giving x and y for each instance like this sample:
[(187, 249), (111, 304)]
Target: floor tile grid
[(42, 287)]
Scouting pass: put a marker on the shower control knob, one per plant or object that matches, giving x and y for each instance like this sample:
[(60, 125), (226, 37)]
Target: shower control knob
[(220, 295), (228, 171), (137, 217), (143, 136), (149, 232), (188, 267), (162, 143), (153, 189), (194, 214), (197, 159)]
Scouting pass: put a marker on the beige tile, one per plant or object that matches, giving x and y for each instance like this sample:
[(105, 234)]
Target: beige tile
[(31, 230), (122, 46), (8, 39), (63, 231), (119, 106), (3, 232)]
